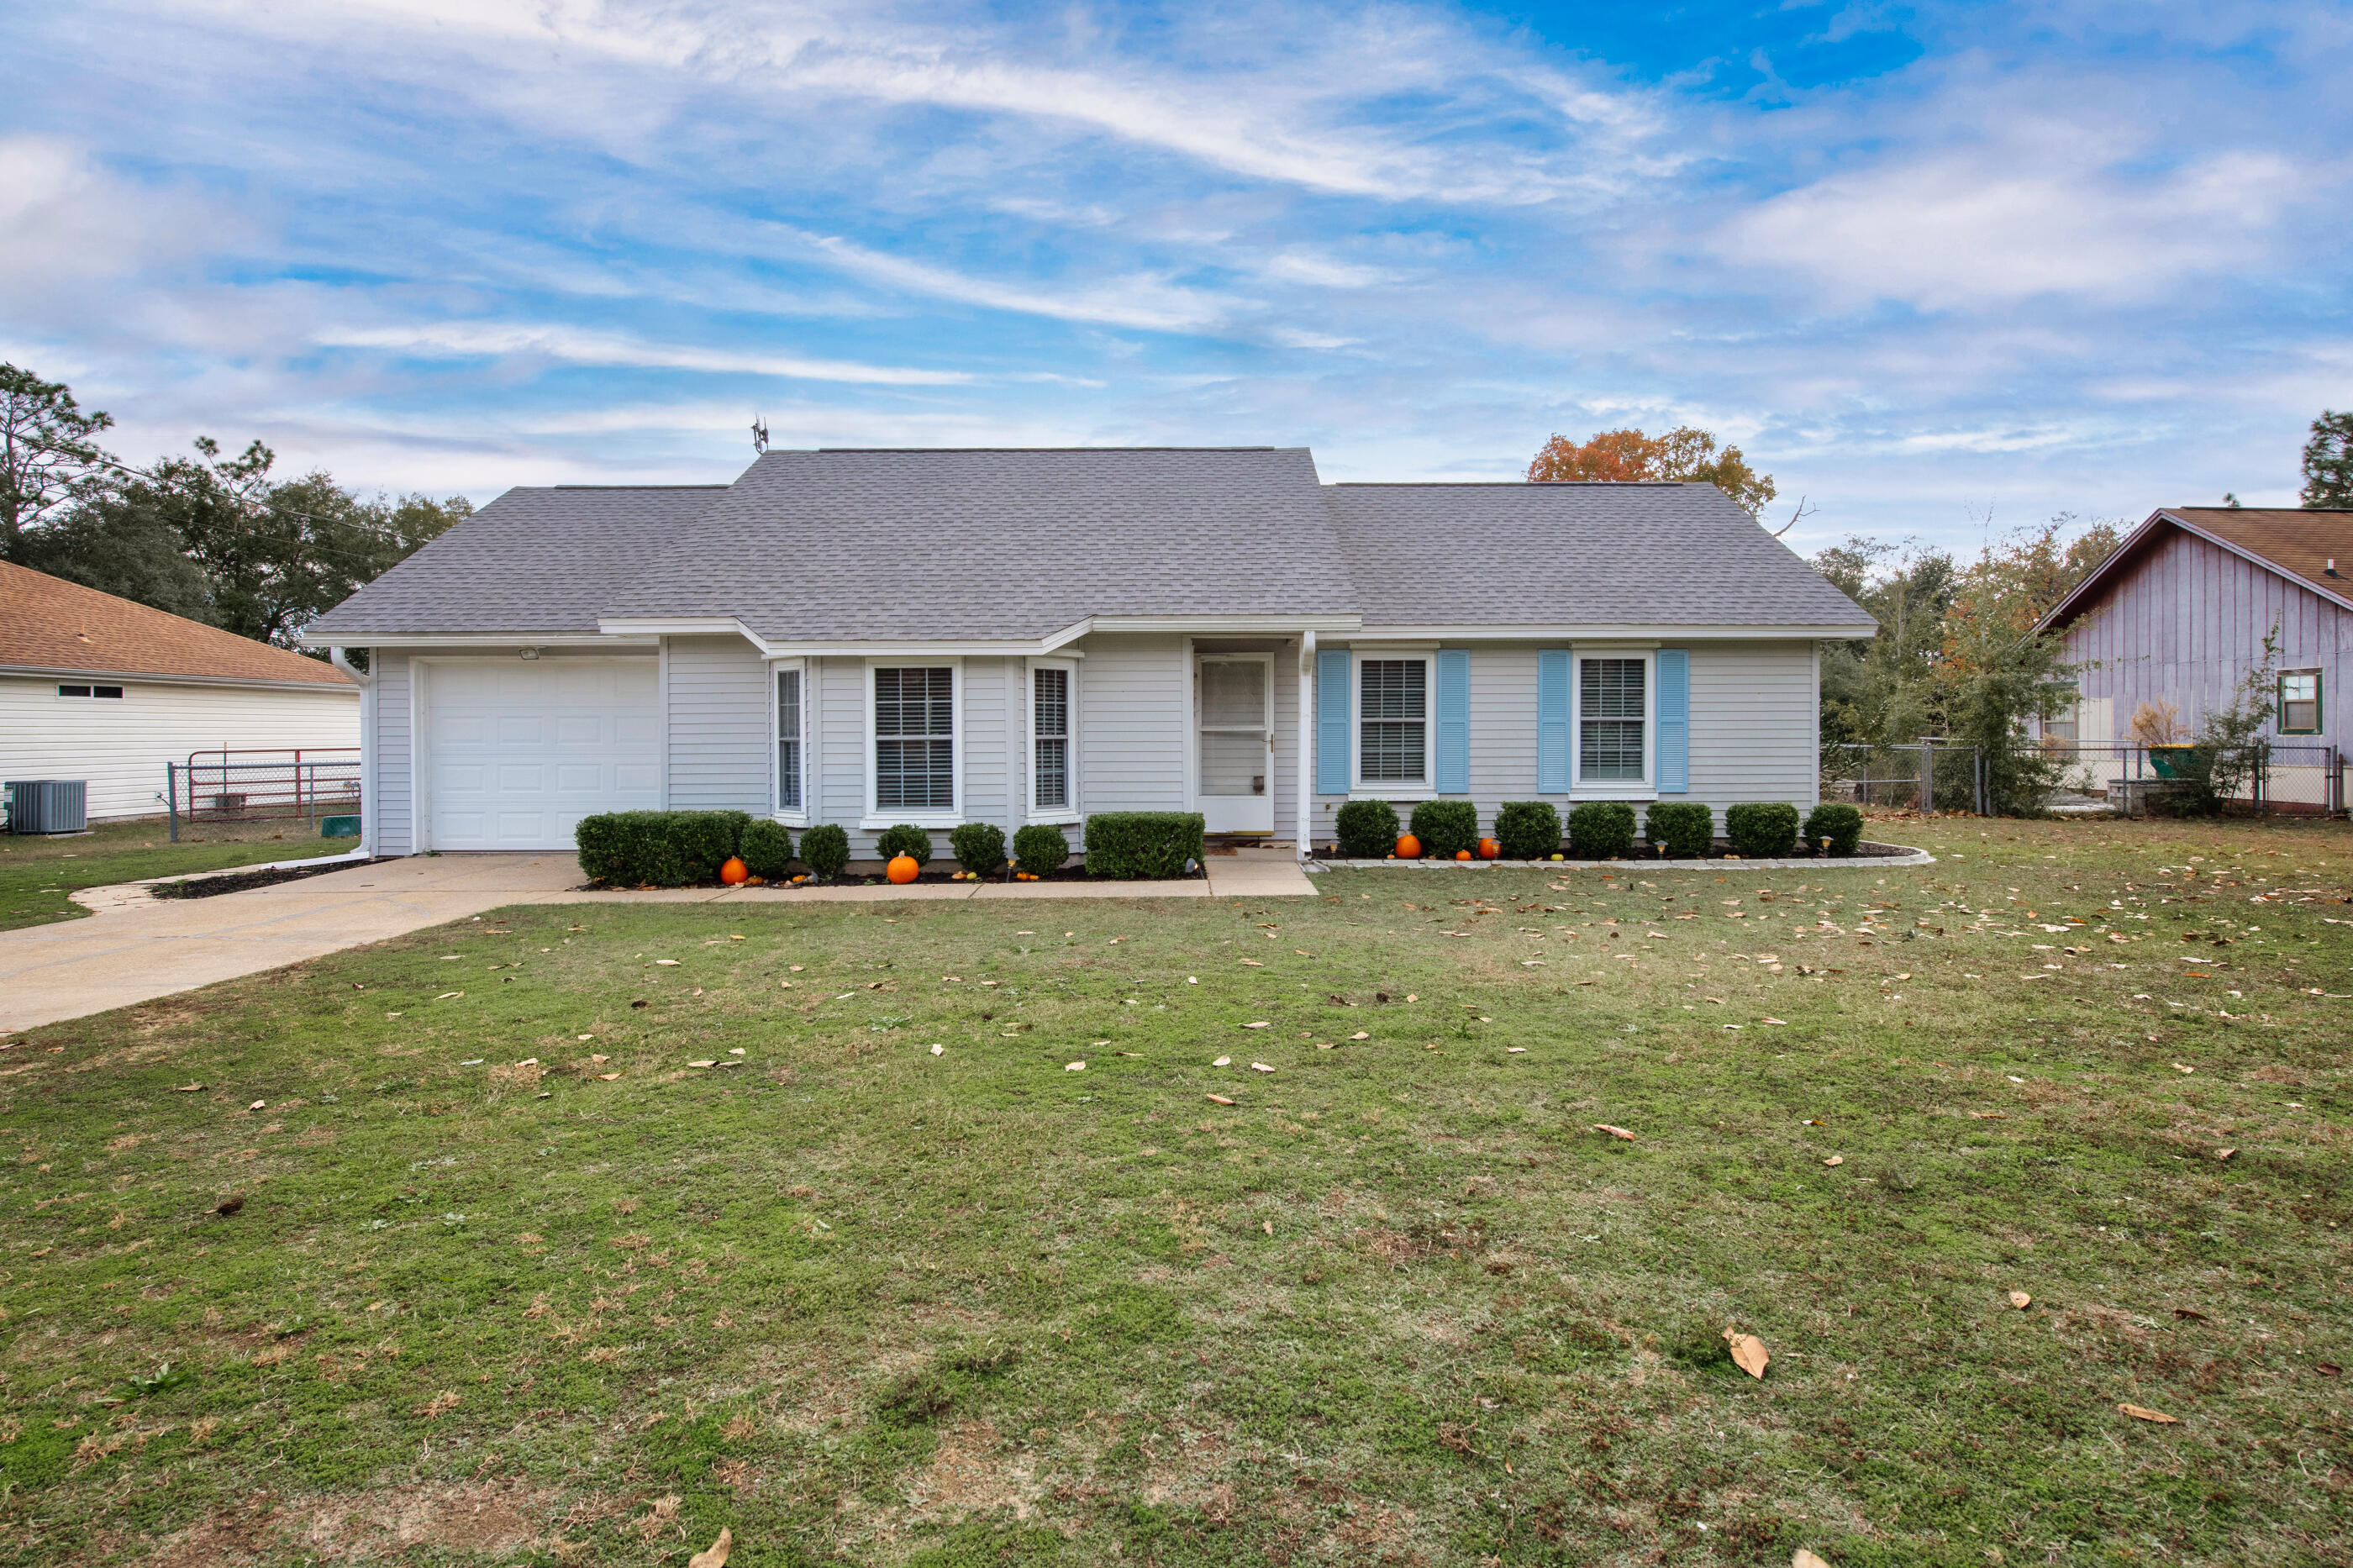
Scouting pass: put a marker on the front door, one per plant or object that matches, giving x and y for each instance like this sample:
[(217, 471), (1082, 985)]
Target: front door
[(1236, 790)]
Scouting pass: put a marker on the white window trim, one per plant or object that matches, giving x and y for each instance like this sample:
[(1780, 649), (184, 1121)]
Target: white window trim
[(1647, 786), (799, 818), (1052, 815), (1363, 788), (875, 817)]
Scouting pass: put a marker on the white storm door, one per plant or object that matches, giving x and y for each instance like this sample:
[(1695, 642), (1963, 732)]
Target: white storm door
[(520, 751), (1235, 787)]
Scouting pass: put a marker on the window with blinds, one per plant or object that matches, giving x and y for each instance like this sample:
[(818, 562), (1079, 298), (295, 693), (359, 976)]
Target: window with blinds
[(1394, 711), (788, 740), (915, 739), (1609, 719), (1049, 728)]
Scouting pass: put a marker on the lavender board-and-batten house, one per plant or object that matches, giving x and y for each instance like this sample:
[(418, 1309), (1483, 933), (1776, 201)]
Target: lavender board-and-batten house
[(872, 637), (2179, 614)]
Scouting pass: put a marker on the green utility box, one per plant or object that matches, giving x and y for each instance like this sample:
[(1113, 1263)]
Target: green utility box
[(338, 828)]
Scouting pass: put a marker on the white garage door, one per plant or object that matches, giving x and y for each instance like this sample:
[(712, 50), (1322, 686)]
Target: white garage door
[(520, 751)]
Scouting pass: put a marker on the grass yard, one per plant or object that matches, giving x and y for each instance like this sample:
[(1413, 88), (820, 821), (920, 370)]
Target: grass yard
[(38, 874), (863, 1301)]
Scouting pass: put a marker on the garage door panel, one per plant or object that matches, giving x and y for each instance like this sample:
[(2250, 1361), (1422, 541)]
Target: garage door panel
[(521, 751)]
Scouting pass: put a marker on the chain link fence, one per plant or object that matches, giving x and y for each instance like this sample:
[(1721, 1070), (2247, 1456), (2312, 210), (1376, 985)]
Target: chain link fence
[(262, 786), (2271, 778), (1926, 775)]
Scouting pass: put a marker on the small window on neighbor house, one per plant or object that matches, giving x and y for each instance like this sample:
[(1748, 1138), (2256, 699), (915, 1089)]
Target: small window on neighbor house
[(1050, 724), (2299, 702), (788, 740), (1395, 707), (915, 739), (89, 691), (1610, 710), (2063, 724)]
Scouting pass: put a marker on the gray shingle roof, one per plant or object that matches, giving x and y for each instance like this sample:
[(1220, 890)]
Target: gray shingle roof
[(832, 546), (1666, 554), (532, 560)]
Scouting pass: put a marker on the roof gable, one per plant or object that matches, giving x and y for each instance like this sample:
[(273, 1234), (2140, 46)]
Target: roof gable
[(48, 624), (2298, 544)]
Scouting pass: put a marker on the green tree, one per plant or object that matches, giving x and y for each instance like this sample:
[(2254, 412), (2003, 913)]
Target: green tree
[(2328, 461), (49, 455)]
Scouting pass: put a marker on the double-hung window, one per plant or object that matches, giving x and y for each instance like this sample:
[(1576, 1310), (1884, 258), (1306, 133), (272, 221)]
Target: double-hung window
[(1393, 715), (915, 739), (792, 772), (1051, 791), (2299, 702), (1613, 710)]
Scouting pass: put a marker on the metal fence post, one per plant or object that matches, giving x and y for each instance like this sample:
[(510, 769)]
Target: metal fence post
[(171, 797)]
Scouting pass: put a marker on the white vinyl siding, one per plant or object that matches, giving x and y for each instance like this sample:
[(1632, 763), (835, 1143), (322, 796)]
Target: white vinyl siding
[(718, 740), (391, 812), (119, 745), (1754, 724), (1134, 723)]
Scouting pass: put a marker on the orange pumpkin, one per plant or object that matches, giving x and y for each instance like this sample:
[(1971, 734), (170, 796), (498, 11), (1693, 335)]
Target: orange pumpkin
[(1462, 854), (1489, 849), (735, 873), (1409, 847), (902, 869)]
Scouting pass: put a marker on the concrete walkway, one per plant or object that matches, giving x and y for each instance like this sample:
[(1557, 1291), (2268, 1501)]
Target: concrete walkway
[(134, 948)]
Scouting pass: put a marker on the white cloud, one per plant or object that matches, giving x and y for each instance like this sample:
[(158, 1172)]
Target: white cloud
[(1152, 303), (67, 223), (498, 340)]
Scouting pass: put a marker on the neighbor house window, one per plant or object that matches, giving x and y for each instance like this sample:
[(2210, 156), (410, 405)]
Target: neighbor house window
[(1049, 731), (788, 740), (2061, 726), (1393, 705), (1611, 709), (2299, 702), (89, 691), (915, 739)]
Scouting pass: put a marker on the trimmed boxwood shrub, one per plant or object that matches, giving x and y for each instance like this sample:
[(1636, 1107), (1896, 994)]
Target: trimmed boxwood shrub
[(1761, 830), (903, 838), (706, 838), (979, 846), (1444, 827), (825, 850), (1136, 845), (767, 849), (1366, 830), (1687, 827), (630, 848), (1601, 830), (1838, 822), (1527, 829), (1041, 847)]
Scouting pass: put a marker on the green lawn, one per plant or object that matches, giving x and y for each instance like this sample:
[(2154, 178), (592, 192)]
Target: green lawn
[(36, 874), (1400, 1303)]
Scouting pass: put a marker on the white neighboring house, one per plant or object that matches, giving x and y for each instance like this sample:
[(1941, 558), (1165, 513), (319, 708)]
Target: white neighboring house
[(102, 689)]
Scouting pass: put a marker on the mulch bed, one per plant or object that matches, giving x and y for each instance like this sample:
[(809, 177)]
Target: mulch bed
[(241, 881), (1865, 853), (926, 877)]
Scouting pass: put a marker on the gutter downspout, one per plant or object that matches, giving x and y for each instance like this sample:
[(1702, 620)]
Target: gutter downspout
[(367, 744), (1300, 844)]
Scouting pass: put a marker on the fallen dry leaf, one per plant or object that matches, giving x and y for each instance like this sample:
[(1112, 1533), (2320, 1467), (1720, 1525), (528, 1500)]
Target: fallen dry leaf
[(1261, 1023), (939, 1050), (189, 1088), (607, 1077), (1748, 1351), (2224, 1153), (1613, 1132), (1835, 1160), (1515, 1050), (702, 1064), (1074, 1067), (1261, 1067), (2143, 1412), (1220, 1100), (667, 962), (1360, 1034), (1802, 1558), (717, 1556), (257, 1105), (2021, 1300), (1267, 1225)]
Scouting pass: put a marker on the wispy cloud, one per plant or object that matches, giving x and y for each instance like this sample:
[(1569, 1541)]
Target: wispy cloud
[(488, 340)]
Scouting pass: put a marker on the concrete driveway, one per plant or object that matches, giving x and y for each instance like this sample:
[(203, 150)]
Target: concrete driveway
[(135, 948)]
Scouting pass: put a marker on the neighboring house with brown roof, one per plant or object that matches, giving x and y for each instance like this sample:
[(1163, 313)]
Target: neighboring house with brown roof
[(106, 691), (2180, 613), (1014, 636)]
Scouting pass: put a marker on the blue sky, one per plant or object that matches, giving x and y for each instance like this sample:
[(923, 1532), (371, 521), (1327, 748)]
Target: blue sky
[(1929, 265)]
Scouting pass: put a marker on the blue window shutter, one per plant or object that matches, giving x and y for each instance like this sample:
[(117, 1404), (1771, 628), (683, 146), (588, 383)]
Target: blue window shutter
[(1674, 721), (1552, 720), (1453, 722), (1332, 721)]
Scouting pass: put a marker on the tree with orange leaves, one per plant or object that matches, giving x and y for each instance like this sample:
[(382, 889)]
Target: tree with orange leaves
[(1623, 457)]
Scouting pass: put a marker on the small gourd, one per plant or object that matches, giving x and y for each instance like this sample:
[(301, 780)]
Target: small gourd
[(902, 869), (1409, 847), (735, 873)]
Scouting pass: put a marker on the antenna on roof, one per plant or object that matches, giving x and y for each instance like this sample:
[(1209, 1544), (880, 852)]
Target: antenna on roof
[(759, 434)]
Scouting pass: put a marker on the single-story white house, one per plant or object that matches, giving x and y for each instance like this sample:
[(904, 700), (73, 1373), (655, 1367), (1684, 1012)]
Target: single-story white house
[(871, 637), (109, 691)]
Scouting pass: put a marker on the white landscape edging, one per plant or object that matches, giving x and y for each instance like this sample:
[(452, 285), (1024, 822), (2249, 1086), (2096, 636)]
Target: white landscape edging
[(1910, 856)]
